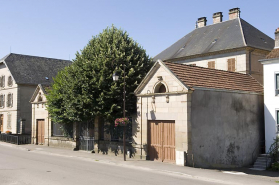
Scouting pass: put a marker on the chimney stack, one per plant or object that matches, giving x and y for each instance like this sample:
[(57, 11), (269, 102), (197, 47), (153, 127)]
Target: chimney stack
[(217, 17), (234, 13), (201, 22), (277, 38)]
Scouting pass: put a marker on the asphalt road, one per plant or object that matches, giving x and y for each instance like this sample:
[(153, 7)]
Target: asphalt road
[(20, 167)]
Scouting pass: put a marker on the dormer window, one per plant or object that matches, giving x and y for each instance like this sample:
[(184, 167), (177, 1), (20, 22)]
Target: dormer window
[(10, 81)]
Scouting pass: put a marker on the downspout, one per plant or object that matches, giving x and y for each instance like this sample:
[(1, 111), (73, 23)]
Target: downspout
[(34, 123), (48, 130), (141, 127)]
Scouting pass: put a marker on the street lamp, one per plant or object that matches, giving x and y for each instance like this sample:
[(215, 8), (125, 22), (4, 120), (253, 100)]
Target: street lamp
[(115, 77)]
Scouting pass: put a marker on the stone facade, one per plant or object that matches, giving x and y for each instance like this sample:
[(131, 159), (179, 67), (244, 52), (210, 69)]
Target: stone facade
[(213, 128), (39, 112)]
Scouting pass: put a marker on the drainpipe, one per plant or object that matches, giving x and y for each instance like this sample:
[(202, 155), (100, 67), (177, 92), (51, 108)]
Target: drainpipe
[(34, 123), (141, 127), (48, 130)]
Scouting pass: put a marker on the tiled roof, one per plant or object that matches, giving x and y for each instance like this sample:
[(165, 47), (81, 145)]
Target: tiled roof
[(231, 34), (273, 54), (33, 70), (194, 76)]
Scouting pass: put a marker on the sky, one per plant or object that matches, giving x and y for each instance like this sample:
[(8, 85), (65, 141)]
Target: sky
[(61, 28)]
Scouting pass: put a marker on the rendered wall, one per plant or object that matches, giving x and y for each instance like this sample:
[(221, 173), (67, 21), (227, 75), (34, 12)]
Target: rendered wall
[(226, 128), (25, 94), (12, 111), (271, 102)]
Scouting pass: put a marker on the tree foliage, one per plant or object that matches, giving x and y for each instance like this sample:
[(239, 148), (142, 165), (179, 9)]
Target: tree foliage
[(86, 88)]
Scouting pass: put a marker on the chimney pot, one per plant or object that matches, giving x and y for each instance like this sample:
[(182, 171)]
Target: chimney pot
[(217, 17), (201, 22), (277, 38), (234, 13)]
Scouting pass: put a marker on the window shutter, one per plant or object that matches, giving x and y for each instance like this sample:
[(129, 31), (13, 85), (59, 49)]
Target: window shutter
[(211, 64), (231, 64)]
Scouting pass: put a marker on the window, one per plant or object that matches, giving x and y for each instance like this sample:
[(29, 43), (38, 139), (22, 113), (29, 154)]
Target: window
[(2, 101), (231, 64), (10, 100), (192, 64), (57, 129), (40, 98), (277, 84), (2, 81), (211, 64), (10, 81), (160, 88), (277, 112)]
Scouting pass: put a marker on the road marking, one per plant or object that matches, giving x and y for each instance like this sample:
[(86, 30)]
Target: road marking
[(235, 173)]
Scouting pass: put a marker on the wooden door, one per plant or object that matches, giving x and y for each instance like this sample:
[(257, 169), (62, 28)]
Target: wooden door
[(161, 140), (1, 122), (40, 131)]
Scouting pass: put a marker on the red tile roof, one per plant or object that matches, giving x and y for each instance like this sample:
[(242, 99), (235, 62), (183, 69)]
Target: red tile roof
[(273, 54), (194, 76)]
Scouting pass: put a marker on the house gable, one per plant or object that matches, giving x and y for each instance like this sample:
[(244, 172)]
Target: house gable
[(39, 95), (160, 75)]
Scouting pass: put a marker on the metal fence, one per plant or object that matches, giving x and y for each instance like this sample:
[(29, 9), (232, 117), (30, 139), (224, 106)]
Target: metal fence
[(86, 143), (16, 139)]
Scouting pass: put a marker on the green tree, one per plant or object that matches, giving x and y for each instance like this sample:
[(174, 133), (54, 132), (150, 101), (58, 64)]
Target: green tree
[(86, 88)]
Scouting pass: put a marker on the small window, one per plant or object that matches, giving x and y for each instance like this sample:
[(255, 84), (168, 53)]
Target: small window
[(160, 88), (231, 64), (211, 64), (192, 64), (10, 100), (10, 81), (40, 98), (2, 101)]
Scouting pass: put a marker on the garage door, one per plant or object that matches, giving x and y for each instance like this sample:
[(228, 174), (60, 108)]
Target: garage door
[(40, 131), (161, 140)]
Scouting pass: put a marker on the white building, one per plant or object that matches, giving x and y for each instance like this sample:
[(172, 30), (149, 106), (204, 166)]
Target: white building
[(271, 93)]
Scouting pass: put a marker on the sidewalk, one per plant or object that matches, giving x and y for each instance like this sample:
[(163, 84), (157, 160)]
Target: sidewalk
[(235, 176)]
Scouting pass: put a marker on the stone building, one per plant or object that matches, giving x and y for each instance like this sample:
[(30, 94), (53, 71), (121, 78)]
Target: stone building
[(45, 131), (232, 45), (271, 93), (198, 116), (19, 77)]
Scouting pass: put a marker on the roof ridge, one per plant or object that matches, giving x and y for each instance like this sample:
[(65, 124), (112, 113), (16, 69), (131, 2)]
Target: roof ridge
[(36, 56), (241, 30)]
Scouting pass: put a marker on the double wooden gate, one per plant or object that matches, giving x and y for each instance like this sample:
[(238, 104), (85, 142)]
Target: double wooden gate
[(161, 140)]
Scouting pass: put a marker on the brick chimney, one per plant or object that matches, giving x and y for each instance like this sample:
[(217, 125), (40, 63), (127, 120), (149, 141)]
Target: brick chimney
[(217, 17), (201, 22), (234, 13), (277, 38)]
